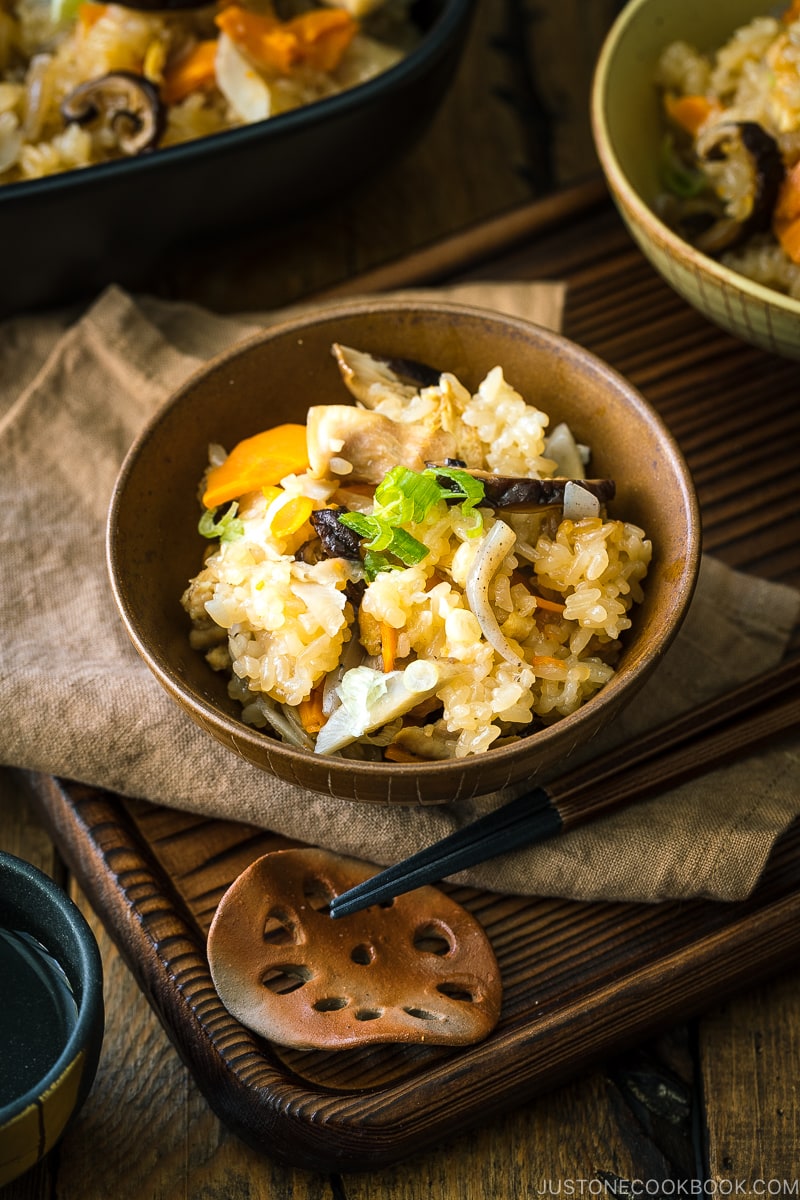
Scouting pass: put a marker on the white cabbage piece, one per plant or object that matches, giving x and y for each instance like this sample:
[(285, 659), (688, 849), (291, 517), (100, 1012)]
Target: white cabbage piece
[(372, 698), (570, 458), (240, 83)]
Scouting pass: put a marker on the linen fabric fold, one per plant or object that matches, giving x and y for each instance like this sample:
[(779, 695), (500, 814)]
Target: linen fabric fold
[(77, 701)]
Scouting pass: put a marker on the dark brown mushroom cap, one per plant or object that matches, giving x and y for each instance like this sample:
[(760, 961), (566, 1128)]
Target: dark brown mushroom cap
[(128, 103), (763, 156), (337, 540), (510, 491), (409, 370)]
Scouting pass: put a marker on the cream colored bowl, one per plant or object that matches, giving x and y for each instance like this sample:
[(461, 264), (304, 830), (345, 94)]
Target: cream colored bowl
[(628, 131)]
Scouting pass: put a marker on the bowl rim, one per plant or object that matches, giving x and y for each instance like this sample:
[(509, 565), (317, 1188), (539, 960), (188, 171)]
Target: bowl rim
[(171, 681), (455, 15), (34, 882), (661, 234)]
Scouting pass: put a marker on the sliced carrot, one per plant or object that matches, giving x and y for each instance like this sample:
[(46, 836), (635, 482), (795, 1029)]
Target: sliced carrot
[(787, 204), (549, 605), (395, 753), (194, 72), (310, 711), (291, 516), (89, 14), (316, 39), (257, 462), (545, 660), (788, 234), (261, 37), (388, 646), (786, 214), (792, 13), (323, 34), (689, 112)]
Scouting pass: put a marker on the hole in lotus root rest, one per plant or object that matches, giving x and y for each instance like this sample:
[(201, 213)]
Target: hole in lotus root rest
[(422, 1014), (317, 892), (434, 938), (369, 1014), (279, 930), (363, 954), (457, 991), (331, 1004), (285, 979)]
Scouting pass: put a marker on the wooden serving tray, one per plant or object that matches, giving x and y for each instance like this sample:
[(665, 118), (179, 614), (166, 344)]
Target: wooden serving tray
[(581, 981)]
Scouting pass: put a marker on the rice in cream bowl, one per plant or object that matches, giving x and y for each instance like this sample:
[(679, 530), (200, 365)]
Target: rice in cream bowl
[(420, 576), (730, 162)]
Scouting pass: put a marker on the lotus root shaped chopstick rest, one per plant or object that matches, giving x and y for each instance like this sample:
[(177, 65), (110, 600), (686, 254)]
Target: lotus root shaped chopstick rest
[(418, 969)]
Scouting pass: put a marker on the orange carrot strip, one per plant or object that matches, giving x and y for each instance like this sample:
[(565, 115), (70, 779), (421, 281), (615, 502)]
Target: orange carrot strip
[(261, 37), (257, 462), (787, 204), (317, 39), (388, 646), (192, 73), (323, 34), (310, 711), (786, 214), (89, 14), (291, 516), (549, 605), (689, 112), (395, 753), (788, 234), (792, 13), (545, 660)]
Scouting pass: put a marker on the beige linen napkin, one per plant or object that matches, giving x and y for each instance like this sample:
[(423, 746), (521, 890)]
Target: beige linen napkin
[(76, 700)]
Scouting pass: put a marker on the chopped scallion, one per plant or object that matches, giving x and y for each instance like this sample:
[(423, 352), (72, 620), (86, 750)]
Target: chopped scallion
[(227, 528), (407, 497), (468, 487)]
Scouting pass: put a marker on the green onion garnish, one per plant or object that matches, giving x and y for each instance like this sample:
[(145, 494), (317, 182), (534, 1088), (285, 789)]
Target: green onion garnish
[(228, 528), (470, 488), (405, 497)]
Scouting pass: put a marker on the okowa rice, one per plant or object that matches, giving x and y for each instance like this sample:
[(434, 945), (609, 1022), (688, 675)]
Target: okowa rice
[(438, 623), (731, 155)]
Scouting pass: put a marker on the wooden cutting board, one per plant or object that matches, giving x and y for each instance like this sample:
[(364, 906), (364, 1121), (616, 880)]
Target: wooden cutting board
[(581, 981)]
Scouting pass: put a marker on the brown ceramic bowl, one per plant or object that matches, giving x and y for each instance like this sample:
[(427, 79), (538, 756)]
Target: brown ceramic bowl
[(154, 547)]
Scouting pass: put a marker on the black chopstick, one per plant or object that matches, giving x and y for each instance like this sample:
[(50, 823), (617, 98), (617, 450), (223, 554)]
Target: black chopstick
[(708, 736)]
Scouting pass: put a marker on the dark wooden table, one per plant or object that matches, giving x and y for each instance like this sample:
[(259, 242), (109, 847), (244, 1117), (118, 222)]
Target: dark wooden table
[(706, 1107)]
